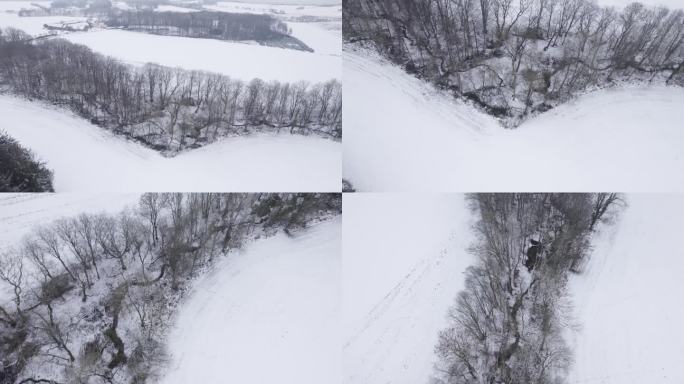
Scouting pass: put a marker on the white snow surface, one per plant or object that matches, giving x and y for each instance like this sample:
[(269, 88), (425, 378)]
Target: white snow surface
[(21, 212), (173, 8), (319, 37), (237, 60), (34, 25), (86, 158), (402, 134), (279, 10), (628, 303), (403, 262), (19, 5), (30, 25), (269, 314)]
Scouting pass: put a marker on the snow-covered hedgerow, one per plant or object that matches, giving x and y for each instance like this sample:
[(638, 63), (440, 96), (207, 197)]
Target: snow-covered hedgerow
[(508, 324), (92, 296), (167, 109), (514, 58), (20, 171)]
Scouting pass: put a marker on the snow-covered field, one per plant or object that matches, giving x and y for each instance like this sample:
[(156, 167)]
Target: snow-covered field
[(85, 157), (629, 302), (402, 134), (279, 10), (18, 5), (20, 212), (31, 25), (403, 263), (174, 8), (269, 314), (320, 37), (237, 60)]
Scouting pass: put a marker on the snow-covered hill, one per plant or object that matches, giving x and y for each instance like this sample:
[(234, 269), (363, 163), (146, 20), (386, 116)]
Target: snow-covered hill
[(403, 263), (87, 158), (629, 303), (402, 134), (268, 314)]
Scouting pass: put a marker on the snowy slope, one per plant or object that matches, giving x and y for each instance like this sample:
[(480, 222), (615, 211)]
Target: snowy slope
[(268, 314), (402, 134), (629, 303), (403, 263), (87, 158)]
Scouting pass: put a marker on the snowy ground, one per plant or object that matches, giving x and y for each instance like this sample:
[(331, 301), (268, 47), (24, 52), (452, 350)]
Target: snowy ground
[(628, 304), (33, 25), (403, 263), (268, 314), (20, 212), (280, 10), (18, 5), (321, 37), (237, 60), (401, 134), (85, 157), (174, 8)]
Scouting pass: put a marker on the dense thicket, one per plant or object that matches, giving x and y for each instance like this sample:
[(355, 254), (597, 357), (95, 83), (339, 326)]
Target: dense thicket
[(169, 109), (93, 295), (19, 169), (514, 57), (217, 25), (507, 325)]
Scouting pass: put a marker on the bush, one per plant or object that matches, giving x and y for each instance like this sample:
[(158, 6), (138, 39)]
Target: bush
[(19, 169)]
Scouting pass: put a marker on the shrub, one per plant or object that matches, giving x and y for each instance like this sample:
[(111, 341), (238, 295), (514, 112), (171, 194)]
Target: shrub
[(19, 169)]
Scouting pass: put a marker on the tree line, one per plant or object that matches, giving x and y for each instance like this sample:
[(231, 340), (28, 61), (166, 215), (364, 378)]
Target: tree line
[(20, 171), (168, 109), (217, 25), (514, 57), (76, 282), (508, 324)]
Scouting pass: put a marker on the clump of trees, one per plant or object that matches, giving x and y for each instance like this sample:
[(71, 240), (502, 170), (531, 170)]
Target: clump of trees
[(168, 109), (20, 171), (264, 29), (92, 295), (507, 325), (515, 57)]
